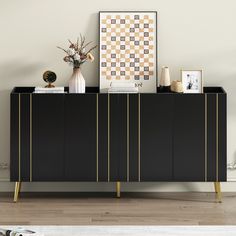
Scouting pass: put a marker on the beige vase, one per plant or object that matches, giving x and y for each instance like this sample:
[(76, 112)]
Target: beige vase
[(77, 82), (165, 79)]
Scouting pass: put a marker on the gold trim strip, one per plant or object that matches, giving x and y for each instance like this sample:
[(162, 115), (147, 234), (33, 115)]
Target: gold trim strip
[(31, 150), (97, 137), (108, 138), (139, 174), (206, 135), (19, 137), (127, 137), (217, 137)]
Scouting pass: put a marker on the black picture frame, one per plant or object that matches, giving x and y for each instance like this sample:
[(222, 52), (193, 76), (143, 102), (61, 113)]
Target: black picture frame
[(126, 11)]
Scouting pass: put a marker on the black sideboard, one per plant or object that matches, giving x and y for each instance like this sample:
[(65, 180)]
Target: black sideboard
[(118, 137)]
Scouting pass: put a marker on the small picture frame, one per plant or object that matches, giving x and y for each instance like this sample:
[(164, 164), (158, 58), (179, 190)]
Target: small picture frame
[(192, 81)]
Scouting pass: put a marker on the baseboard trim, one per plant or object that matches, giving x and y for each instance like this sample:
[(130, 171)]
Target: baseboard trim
[(4, 180)]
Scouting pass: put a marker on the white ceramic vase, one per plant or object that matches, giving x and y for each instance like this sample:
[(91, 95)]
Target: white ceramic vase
[(165, 76), (165, 79), (77, 82)]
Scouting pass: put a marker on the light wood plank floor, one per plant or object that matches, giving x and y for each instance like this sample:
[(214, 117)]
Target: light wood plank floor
[(130, 209)]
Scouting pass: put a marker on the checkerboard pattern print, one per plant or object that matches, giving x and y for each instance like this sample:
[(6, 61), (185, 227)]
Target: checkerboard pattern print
[(128, 49)]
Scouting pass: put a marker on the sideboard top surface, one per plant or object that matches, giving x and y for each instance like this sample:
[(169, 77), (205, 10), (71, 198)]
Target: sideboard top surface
[(95, 90)]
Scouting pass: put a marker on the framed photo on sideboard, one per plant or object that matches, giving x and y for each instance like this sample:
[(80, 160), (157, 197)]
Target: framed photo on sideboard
[(192, 81)]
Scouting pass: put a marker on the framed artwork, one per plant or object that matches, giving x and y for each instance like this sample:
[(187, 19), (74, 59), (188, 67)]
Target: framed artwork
[(128, 49), (192, 81)]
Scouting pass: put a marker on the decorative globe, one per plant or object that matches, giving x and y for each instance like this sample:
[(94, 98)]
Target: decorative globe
[(49, 77)]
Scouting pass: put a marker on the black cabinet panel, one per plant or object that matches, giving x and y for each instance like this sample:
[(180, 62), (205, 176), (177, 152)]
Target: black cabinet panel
[(48, 137), (211, 137), (20, 137), (103, 137), (189, 138), (118, 137), (80, 137), (222, 137), (133, 160), (156, 115), (14, 165), (25, 137)]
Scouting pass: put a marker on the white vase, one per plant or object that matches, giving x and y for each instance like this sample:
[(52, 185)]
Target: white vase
[(77, 82), (165, 79)]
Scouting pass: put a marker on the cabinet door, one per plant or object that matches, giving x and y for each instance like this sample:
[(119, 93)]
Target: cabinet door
[(222, 137), (103, 141), (133, 137), (117, 137), (48, 137), (156, 125), (216, 138), (80, 137), (20, 137), (15, 136), (189, 138)]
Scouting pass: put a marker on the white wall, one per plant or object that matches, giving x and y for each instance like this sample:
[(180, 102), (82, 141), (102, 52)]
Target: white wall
[(197, 34)]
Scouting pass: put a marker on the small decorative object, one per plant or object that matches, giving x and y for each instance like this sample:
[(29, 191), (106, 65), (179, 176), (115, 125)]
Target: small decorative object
[(49, 90), (192, 81), (119, 87), (165, 79), (76, 56), (128, 49), (49, 77), (176, 86)]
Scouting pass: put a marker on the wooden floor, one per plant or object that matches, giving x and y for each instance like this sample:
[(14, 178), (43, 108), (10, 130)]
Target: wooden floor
[(130, 209)]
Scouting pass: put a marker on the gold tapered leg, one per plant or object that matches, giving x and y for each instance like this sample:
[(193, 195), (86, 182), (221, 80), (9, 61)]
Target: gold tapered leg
[(118, 189), (17, 190), (215, 185), (218, 191)]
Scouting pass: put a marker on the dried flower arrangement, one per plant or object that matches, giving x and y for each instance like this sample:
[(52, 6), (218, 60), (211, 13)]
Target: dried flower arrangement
[(78, 54)]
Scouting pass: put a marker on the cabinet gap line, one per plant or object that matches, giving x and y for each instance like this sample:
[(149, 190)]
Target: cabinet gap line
[(19, 136), (206, 137), (31, 150), (128, 141), (108, 137), (97, 136), (217, 138), (139, 177)]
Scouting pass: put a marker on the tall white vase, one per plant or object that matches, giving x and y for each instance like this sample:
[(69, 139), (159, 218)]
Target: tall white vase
[(77, 82), (165, 79)]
